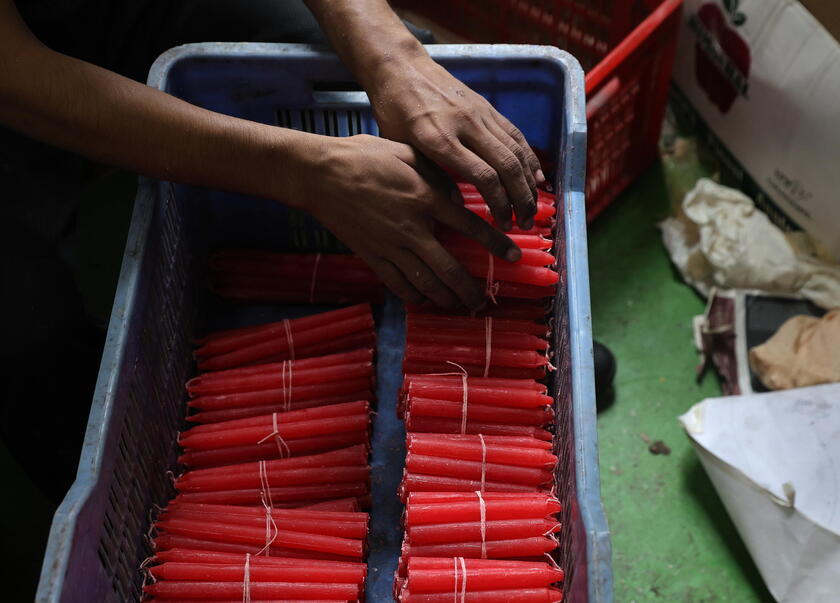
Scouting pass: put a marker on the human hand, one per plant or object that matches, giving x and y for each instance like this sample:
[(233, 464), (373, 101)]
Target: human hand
[(382, 199), (418, 102)]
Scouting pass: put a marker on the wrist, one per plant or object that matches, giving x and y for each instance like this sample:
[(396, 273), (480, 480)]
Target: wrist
[(289, 163), (383, 63)]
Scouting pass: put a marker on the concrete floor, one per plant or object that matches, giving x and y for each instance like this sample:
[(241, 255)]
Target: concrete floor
[(672, 539)]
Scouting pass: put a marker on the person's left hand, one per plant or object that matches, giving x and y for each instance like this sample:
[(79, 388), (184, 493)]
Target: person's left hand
[(420, 103)]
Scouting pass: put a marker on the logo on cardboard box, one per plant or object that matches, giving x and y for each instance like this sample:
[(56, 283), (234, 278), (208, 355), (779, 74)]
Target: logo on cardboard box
[(722, 56)]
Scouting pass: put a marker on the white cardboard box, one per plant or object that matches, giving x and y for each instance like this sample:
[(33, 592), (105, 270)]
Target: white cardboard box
[(764, 77)]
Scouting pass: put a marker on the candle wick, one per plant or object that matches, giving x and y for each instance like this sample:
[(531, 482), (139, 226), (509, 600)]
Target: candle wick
[(455, 586), (488, 343), (246, 580), (463, 580), (312, 283), (291, 342), (492, 288), (483, 460), (482, 513)]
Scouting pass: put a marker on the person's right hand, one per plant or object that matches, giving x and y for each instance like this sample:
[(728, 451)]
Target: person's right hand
[(382, 199)]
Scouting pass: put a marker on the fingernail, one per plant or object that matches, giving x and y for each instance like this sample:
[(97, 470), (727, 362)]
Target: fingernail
[(539, 176), (513, 254)]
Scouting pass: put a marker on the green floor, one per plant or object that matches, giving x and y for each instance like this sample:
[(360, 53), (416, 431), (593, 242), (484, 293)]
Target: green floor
[(672, 539)]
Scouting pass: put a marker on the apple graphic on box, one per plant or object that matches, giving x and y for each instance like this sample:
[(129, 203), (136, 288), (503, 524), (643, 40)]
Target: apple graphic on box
[(722, 56)]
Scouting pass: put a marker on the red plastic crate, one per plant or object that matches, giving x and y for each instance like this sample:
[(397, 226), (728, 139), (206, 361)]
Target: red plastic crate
[(627, 49)]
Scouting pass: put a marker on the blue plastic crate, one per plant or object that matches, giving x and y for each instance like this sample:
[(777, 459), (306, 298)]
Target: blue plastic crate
[(97, 540)]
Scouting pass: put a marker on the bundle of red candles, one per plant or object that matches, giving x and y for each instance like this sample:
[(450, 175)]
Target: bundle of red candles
[(445, 579), (470, 463), (278, 467), (479, 472), (314, 278), (282, 386), (325, 333)]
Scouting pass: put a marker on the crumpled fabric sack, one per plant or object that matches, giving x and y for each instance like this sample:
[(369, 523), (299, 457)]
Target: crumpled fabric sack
[(722, 240), (804, 351)]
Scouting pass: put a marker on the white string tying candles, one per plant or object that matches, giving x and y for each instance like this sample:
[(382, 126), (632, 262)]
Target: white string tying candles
[(289, 339), (482, 514), (314, 278), (282, 446)]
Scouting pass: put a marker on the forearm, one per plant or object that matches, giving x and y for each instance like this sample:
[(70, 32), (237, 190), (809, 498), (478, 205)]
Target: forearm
[(368, 36), (80, 107)]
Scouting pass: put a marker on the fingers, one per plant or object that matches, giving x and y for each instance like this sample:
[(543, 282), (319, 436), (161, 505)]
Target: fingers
[(451, 273), (424, 279), (506, 139), (470, 225), (447, 150), (508, 168), (530, 157), (394, 279)]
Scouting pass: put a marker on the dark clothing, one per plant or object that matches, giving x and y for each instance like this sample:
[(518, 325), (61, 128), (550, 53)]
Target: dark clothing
[(50, 352)]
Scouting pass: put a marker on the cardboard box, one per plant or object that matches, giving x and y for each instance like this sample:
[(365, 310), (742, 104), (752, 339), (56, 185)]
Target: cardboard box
[(761, 81)]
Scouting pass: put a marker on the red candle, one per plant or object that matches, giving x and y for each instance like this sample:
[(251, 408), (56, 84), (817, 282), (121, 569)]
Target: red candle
[(424, 508), (349, 357), (164, 542), (512, 441), (270, 450), (357, 407), (323, 267), (286, 379), (475, 470), (295, 520), (479, 393), (449, 238), (258, 572), (275, 478), (517, 309), (220, 382), (472, 449), (416, 482), (239, 534), (352, 455), (220, 558), (454, 379), (228, 340), (282, 394), (475, 253), (440, 425), (536, 546), (473, 370), (427, 563), (231, 414), (470, 531), (511, 273), (278, 494), (521, 595), (442, 321), (213, 591), (265, 290), (339, 504), (228, 438), (544, 215), (484, 413), (497, 575), (493, 339), (474, 355), (280, 345)]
